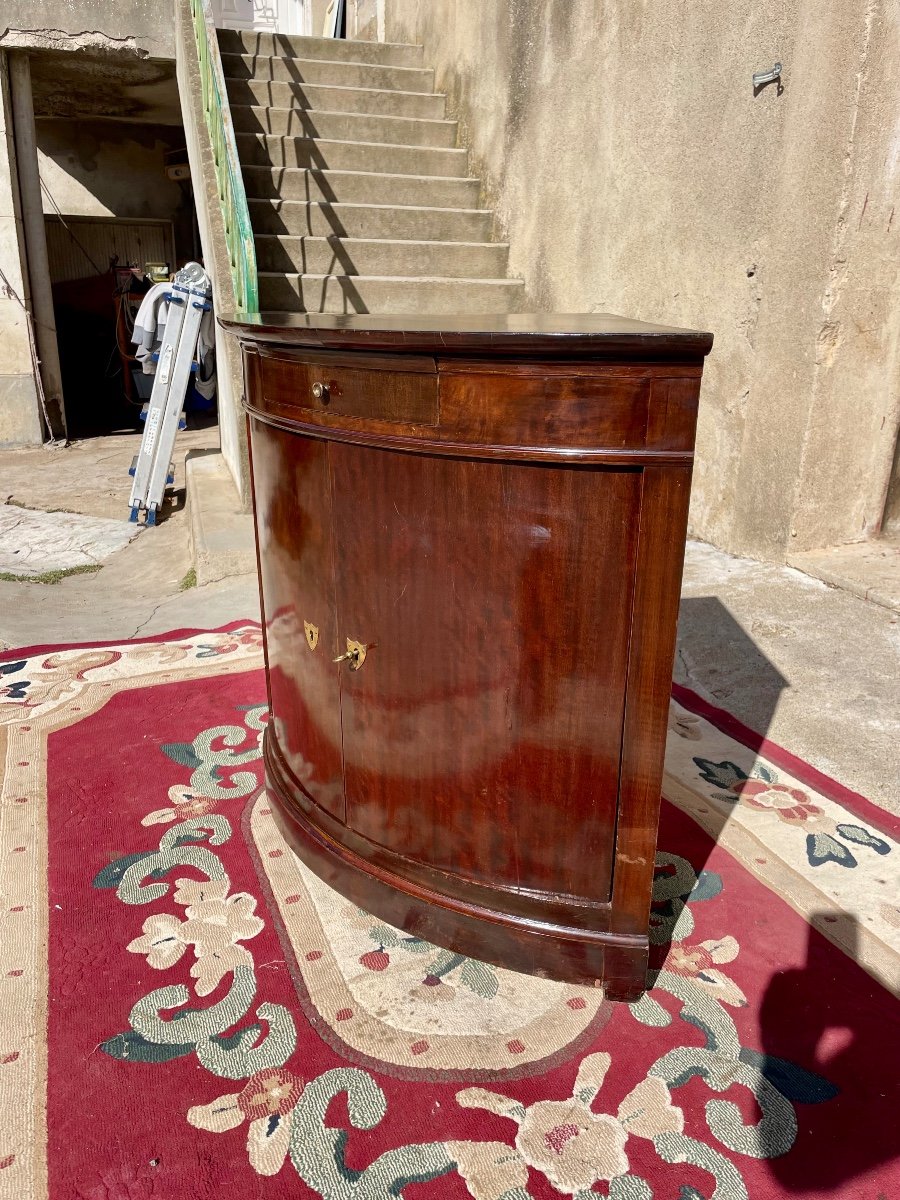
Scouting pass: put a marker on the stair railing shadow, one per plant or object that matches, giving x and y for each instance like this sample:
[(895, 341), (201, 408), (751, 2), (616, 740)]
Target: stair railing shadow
[(245, 65)]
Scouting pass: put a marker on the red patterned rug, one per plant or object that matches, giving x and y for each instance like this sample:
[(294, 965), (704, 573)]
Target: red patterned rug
[(188, 1013)]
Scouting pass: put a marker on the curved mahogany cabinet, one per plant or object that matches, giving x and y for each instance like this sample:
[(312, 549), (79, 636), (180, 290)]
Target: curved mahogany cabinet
[(470, 538)]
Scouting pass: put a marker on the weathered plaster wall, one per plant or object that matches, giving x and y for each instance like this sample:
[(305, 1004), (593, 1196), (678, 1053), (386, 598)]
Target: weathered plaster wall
[(366, 19), (892, 507), (19, 420), (120, 30), (84, 86), (633, 169), (143, 27), (107, 169)]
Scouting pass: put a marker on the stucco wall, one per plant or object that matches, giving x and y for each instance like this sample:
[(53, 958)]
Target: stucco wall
[(366, 19), (20, 423), (108, 169), (142, 26), (633, 169)]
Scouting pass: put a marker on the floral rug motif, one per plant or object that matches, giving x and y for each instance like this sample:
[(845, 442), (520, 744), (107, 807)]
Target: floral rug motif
[(187, 1012)]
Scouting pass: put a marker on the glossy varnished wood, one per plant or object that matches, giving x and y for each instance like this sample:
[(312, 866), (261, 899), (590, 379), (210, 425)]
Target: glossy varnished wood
[(597, 336), (296, 557), (496, 513), (484, 680), (385, 387), (512, 410)]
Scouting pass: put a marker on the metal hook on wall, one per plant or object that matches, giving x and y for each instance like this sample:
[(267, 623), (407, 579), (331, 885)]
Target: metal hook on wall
[(761, 78)]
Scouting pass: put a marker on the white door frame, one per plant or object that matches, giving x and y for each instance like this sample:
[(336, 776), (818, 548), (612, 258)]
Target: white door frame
[(332, 17), (265, 16)]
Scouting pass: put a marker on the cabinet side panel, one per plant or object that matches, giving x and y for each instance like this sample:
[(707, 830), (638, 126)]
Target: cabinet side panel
[(291, 498), (482, 734), (250, 361), (660, 561)]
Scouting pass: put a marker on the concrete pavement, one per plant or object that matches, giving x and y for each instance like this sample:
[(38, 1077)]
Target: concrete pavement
[(815, 668), (138, 591)]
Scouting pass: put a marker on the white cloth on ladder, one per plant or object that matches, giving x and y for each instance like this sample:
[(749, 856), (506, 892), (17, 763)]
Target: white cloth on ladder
[(150, 329)]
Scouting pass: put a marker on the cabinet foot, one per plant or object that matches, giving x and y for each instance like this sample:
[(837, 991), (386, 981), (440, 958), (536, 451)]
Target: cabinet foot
[(625, 973)]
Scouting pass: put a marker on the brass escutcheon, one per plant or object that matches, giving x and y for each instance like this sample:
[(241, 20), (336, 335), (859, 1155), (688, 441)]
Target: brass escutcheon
[(355, 655), (312, 634)]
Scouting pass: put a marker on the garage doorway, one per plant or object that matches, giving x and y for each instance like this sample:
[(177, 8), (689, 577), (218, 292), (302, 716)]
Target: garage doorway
[(98, 270)]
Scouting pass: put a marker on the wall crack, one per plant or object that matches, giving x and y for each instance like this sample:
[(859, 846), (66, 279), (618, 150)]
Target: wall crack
[(93, 40)]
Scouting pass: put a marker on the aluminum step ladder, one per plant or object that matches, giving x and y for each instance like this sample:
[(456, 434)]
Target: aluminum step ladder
[(151, 470)]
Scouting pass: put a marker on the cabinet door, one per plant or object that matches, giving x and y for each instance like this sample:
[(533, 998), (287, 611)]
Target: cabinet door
[(290, 478), (482, 733)]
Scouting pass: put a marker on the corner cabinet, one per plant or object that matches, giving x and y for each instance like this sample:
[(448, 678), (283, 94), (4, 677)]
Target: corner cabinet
[(470, 537)]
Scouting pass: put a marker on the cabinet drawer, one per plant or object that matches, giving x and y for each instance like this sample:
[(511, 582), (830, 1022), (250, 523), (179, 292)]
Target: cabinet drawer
[(605, 409), (384, 388)]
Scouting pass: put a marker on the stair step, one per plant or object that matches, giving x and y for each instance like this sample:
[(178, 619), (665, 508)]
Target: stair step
[(370, 221), (328, 71), (362, 187), (263, 150), (235, 41), (380, 257), (399, 295), (344, 126), (383, 102)]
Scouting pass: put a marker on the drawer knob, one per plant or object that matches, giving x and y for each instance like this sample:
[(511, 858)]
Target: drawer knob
[(355, 655), (320, 392)]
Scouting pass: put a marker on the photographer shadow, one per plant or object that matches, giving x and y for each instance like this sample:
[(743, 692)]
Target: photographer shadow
[(835, 1036)]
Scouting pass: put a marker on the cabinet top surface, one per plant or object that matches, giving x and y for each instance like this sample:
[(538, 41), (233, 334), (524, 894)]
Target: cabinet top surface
[(546, 334)]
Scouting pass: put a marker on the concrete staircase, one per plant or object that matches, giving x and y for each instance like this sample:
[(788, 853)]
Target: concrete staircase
[(359, 199)]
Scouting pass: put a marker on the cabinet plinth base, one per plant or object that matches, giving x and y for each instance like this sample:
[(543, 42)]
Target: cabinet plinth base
[(588, 958)]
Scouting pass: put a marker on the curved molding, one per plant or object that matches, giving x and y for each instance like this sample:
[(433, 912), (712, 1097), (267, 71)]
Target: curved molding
[(470, 928), (335, 432)]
